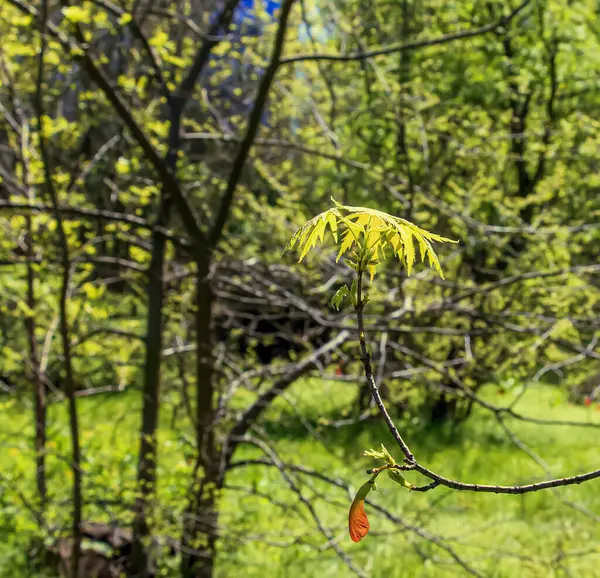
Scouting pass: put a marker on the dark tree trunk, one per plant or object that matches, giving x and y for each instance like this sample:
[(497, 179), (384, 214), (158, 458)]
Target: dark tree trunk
[(444, 408), (200, 533), (77, 498), (446, 405), (39, 391), (151, 395), (200, 524)]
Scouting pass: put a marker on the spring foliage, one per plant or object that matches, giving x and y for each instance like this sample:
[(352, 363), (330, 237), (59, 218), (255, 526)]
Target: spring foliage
[(366, 236)]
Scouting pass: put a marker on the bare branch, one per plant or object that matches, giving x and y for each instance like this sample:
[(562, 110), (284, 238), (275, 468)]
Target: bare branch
[(409, 458), (270, 452), (251, 415), (394, 48)]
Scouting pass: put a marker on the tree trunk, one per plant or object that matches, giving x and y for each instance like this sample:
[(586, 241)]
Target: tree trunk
[(201, 531), (151, 396), (444, 408), (200, 524), (77, 498), (39, 393)]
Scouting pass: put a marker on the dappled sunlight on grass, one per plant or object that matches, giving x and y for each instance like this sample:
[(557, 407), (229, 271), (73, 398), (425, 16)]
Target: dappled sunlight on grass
[(268, 531)]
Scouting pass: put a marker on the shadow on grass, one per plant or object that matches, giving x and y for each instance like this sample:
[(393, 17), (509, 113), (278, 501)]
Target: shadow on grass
[(429, 437)]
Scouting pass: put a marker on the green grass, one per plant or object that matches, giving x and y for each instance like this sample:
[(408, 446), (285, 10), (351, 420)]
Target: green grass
[(536, 535)]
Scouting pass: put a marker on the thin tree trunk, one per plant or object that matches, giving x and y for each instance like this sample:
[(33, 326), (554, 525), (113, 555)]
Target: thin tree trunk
[(147, 464), (70, 388), (64, 294), (39, 393), (201, 519), (140, 565), (151, 393), (200, 526)]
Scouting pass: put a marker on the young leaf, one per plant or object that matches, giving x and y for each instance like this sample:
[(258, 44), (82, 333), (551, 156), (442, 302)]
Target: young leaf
[(368, 233), (388, 457), (372, 267), (337, 299), (374, 454), (396, 476), (358, 523), (353, 290)]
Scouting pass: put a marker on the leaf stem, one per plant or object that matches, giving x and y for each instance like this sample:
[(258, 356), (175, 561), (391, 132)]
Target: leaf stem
[(366, 361)]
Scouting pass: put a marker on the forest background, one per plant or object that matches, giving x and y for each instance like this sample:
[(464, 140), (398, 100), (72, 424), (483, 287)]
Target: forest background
[(178, 399)]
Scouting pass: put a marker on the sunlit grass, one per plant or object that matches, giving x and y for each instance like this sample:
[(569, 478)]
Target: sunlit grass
[(501, 536)]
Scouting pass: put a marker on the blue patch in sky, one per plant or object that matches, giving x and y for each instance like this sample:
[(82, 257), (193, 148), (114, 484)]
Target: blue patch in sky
[(270, 6), (244, 15), (245, 10)]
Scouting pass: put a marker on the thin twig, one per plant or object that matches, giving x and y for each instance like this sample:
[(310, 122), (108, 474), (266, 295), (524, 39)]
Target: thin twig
[(403, 47)]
